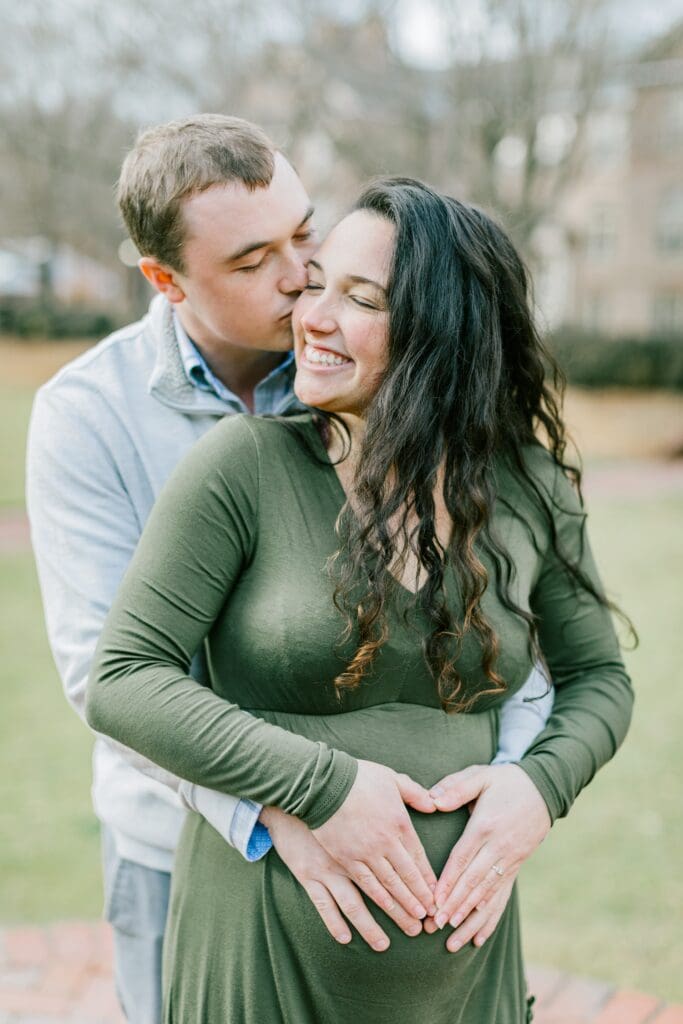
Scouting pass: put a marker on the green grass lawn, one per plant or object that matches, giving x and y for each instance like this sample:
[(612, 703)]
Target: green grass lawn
[(15, 408), (604, 894), (49, 850)]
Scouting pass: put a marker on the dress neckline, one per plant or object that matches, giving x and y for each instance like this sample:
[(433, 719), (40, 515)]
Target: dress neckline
[(341, 499)]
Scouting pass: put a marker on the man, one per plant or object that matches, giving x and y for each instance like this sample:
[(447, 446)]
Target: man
[(224, 227)]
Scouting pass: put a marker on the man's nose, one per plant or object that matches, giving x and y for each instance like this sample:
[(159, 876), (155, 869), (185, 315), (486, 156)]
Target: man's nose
[(295, 276)]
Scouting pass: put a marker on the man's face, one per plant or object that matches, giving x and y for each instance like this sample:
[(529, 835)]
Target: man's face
[(245, 257)]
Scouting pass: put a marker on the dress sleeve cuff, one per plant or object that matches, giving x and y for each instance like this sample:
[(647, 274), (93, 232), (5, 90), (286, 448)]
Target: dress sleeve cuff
[(333, 793), (544, 784)]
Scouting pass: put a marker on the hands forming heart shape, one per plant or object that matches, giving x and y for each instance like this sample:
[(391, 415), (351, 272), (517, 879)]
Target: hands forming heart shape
[(371, 845)]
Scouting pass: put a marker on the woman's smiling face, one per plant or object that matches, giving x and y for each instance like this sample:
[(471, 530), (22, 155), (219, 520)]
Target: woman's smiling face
[(341, 318)]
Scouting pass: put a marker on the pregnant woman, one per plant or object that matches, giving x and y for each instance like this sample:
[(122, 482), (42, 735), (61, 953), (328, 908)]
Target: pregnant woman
[(371, 579)]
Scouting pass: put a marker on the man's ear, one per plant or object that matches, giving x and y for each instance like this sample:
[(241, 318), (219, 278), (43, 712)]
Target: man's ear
[(161, 278)]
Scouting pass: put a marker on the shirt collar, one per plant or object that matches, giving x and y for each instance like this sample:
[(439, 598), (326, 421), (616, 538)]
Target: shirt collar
[(200, 375)]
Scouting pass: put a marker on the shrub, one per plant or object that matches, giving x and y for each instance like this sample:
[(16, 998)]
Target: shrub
[(601, 362), (28, 320)]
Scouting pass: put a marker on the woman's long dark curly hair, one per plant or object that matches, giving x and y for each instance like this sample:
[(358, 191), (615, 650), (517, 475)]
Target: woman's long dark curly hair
[(466, 384)]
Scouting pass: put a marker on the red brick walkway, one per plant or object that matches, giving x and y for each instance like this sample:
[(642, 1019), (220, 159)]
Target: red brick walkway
[(62, 975)]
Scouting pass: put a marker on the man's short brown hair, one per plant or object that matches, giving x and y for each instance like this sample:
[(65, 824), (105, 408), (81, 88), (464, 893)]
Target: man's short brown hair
[(172, 161)]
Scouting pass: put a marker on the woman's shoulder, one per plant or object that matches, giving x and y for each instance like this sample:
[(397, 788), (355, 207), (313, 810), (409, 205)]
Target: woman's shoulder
[(244, 435), (536, 463), (243, 451), (536, 485)]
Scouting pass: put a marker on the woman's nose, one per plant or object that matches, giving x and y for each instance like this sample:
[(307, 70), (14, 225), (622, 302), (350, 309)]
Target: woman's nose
[(318, 318)]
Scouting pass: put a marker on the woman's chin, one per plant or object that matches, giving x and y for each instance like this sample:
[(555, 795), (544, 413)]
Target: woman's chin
[(317, 398)]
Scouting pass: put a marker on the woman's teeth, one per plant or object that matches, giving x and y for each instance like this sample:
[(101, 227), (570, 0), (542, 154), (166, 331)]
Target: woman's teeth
[(316, 355)]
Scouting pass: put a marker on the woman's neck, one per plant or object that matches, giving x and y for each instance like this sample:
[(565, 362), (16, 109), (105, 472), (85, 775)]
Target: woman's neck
[(344, 450)]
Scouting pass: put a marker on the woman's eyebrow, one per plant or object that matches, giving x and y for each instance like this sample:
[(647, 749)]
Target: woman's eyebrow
[(366, 280), (354, 278)]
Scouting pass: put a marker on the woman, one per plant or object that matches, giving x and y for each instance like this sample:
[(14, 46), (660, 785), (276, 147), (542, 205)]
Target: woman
[(372, 580)]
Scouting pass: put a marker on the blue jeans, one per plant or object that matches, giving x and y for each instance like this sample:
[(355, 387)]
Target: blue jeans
[(136, 906)]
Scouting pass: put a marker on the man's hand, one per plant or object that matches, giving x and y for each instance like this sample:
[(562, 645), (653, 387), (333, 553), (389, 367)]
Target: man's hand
[(372, 837), (508, 822), (329, 888)]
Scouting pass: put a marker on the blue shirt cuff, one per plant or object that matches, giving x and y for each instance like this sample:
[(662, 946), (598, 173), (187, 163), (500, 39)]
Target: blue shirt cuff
[(247, 833), (259, 842)]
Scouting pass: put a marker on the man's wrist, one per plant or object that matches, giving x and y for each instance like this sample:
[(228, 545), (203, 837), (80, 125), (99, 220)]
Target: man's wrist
[(268, 816)]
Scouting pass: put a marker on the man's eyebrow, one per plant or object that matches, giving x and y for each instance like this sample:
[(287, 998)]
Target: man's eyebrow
[(253, 246), (307, 216)]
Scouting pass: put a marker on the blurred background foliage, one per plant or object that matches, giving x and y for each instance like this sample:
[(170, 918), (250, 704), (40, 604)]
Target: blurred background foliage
[(563, 119)]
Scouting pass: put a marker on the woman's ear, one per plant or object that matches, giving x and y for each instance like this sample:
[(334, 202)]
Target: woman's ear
[(161, 278)]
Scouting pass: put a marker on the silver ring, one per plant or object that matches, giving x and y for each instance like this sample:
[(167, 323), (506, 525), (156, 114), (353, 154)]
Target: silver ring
[(497, 869)]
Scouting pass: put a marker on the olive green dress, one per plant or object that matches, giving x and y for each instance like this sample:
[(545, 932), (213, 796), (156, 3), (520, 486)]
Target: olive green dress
[(234, 554)]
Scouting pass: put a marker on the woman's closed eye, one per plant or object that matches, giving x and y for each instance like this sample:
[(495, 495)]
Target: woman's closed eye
[(364, 303)]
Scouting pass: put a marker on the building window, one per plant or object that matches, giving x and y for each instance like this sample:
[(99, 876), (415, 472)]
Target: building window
[(601, 233), (594, 313), (667, 313), (607, 137), (669, 223), (671, 133)]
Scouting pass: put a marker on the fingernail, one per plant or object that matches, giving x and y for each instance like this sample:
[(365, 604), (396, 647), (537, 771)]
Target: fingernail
[(431, 910), (414, 929), (381, 945), (440, 920), (454, 947), (343, 937), (456, 920), (479, 941), (437, 791)]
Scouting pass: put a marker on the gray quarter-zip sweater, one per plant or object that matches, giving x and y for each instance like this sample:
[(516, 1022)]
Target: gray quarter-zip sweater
[(105, 434)]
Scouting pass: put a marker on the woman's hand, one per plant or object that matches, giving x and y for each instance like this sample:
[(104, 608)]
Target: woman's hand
[(508, 822), (327, 885), (479, 924), (372, 837)]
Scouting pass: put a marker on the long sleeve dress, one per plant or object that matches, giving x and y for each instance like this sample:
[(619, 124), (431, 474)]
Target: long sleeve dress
[(234, 556)]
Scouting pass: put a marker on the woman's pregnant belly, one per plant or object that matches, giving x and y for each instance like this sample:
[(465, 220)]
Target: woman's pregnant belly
[(236, 914), (423, 742)]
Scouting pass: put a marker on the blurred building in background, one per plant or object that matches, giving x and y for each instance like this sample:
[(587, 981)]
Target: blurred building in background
[(557, 118), (615, 252)]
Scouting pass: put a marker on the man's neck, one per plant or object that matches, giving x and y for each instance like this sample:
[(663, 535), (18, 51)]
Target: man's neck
[(239, 369)]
